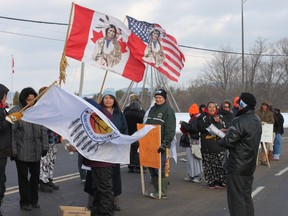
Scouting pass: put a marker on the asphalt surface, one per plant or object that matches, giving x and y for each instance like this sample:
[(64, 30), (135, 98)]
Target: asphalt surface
[(184, 198)]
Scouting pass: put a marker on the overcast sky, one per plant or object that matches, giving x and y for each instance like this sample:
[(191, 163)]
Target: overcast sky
[(206, 24)]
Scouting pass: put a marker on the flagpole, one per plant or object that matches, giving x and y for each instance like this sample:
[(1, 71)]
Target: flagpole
[(100, 93), (63, 62), (36, 98), (12, 77)]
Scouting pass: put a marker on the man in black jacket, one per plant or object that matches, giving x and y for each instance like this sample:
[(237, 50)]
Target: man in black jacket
[(242, 140)]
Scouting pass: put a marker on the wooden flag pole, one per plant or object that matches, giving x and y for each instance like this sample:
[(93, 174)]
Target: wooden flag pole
[(63, 62), (36, 98), (100, 93)]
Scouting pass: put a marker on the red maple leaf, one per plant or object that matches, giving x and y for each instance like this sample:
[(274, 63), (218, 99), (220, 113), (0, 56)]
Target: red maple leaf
[(123, 45), (96, 36)]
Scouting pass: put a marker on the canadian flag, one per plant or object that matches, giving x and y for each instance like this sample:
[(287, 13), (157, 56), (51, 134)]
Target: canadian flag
[(105, 42)]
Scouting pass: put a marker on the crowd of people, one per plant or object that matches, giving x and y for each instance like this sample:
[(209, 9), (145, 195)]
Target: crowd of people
[(217, 155)]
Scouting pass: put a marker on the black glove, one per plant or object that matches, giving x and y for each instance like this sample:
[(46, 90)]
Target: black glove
[(44, 153), (13, 157), (162, 148)]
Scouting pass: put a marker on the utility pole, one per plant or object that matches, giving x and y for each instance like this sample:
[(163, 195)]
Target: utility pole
[(244, 85)]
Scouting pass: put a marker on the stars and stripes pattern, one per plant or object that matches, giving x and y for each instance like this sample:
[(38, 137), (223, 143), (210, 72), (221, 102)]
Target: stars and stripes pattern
[(174, 58)]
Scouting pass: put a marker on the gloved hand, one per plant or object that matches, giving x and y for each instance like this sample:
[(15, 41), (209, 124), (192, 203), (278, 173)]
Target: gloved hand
[(13, 117), (13, 157), (162, 148), (44, 153)]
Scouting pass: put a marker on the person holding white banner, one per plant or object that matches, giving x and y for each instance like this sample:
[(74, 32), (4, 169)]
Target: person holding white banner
[(242, 140), (29, 143), (106, 177)]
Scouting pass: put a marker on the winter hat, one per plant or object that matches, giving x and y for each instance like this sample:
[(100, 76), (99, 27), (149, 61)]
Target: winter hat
[(161, 92), (133, 97), (247, 100), (109, 91), (236, 101), (194, 109), (265, 103)]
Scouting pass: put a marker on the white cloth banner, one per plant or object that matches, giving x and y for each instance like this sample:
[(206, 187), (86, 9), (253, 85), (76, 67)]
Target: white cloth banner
[(83, 125)]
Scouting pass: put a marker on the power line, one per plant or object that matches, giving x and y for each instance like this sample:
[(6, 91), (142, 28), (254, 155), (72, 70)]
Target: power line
[(33, 21), (65, 24)]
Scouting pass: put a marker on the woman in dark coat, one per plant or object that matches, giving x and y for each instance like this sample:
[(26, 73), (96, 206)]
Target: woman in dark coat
[(212, 154), (110, 107), (5, 140)]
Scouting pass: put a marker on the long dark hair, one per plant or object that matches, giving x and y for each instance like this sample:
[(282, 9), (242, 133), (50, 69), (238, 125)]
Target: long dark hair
[(116, 105)]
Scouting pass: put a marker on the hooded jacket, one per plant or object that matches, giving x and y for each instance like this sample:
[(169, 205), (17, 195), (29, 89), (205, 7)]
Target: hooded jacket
[(242, 140)]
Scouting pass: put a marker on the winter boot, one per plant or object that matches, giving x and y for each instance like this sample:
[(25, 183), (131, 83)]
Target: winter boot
[(263, 158), (155, 194), (44, 187), (52, 185)]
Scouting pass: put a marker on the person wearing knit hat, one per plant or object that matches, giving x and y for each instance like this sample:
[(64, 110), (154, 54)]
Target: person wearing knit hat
[(190, 137), (266, 116), (109, 91), (162, 114), (242, 140), (5, 137), (162, 93), (247, 99)]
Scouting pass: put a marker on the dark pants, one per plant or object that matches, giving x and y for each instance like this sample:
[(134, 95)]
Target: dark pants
[(28, 188), (154, 172), (3, 162), (134, 157), (82, 172), (103, 190), (239, 189)]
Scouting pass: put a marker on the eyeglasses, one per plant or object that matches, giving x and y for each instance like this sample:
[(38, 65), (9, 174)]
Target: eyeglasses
[(226, 106)]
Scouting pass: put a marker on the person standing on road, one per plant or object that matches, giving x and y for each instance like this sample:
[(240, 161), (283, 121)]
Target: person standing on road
[(5, 139), (212, 154), (162, 114), (266, 117), (134, 114), (47, 162), (106, 177), (242, 140), (194, 165), (279, 130), (29, 143)]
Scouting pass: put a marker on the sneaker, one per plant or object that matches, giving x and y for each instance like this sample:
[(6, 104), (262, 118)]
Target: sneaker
[(188, 178), (197, 180), (275, 159)]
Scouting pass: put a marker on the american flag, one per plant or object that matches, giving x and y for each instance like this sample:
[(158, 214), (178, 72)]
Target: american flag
[(174, 58)]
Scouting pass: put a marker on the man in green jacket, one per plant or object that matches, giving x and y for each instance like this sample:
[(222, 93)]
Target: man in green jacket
[(162, 114)]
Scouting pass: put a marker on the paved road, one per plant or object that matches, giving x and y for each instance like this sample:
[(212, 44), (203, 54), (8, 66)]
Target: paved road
[(184, 198)]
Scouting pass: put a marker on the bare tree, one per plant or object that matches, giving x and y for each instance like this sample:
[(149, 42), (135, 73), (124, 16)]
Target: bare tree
[(223, 72), (252, 64)]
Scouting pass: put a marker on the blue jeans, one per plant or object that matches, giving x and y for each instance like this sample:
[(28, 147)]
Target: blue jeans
[(277, 146)]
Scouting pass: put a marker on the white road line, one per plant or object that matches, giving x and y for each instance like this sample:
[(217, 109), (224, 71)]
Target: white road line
[(257, 190), (281, 172)]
